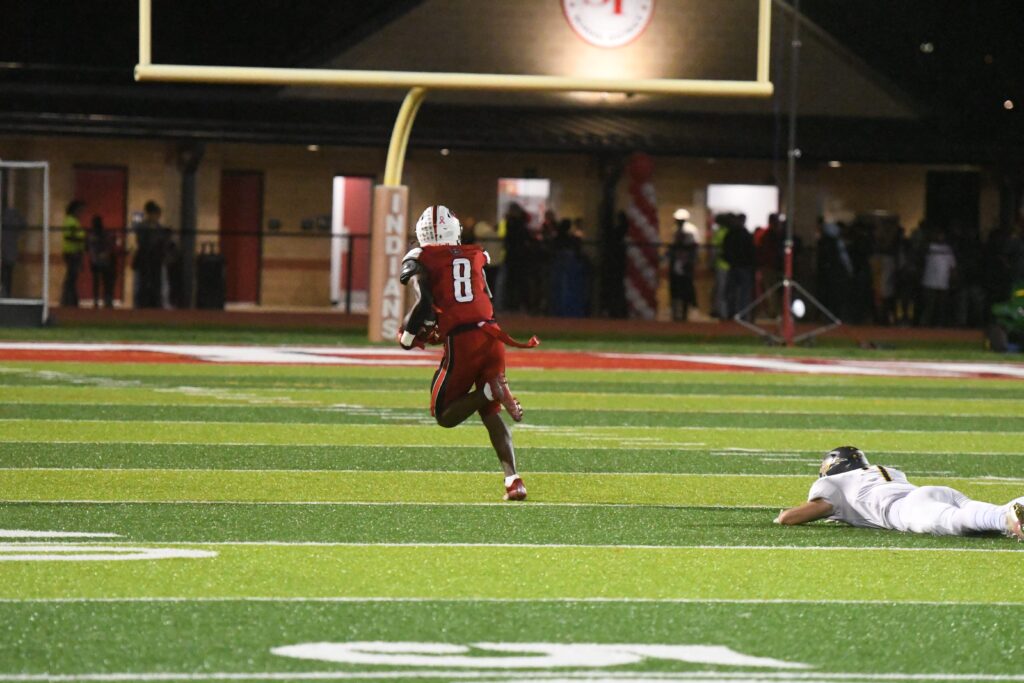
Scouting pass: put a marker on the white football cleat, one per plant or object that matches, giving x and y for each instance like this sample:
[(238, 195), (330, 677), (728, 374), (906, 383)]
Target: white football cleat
[(1015, 520)]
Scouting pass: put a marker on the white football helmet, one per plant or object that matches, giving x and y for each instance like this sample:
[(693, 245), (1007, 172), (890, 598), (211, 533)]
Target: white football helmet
[(437, 225)]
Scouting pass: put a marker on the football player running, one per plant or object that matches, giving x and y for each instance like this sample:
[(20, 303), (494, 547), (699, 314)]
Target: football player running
[(453, 306), (850, 489)]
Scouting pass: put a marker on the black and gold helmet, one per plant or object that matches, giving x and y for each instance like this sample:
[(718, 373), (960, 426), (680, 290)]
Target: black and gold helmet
[(842, 459)]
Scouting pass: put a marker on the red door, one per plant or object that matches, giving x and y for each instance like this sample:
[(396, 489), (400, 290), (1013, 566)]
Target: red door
[(241, 220), (104, 189)]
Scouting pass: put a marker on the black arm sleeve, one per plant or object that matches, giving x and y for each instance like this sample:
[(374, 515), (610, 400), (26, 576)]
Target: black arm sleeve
[(409, 268), (423, 310)]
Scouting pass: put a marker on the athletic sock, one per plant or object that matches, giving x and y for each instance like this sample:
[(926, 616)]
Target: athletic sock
[(510, 479), (985, 516), (487, 392)]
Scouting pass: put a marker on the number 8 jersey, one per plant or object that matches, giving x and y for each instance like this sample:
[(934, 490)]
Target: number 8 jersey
[(457, 284)]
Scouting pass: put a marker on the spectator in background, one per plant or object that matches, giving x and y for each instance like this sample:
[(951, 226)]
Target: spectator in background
[(860, 303), (540, 254), (517, 257), (769, 244), (969, 295), (570, 273), (682, 258), (939, 270), (738, 250), (72, 248), (719, 292), (613, 265), (149, 258), (549, 228), (468, 230), (492, 241), (101, 247), (886, 263), (906, 280), (917, 249), (834, 268), (11, 226)]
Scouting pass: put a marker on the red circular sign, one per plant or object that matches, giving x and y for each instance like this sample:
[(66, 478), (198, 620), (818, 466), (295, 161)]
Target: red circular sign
[(608, 23)]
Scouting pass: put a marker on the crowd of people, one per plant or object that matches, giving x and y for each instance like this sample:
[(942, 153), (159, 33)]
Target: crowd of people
[(154, 258), (539, 268), (938, 276), (866, 272), (863, 272)]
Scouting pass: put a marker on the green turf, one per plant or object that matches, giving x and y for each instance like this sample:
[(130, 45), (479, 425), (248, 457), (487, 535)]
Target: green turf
[(831, 638), (689, 459), (531, 572), (412, 397), (428, 523), (431, 487), (637, 417), (651, 499)]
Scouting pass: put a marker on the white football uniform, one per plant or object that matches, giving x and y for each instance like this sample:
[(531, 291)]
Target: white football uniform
[(863, 497), (881, 498)]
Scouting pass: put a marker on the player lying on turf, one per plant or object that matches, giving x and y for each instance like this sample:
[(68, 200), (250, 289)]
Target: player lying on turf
[(453, 305), (849, 489)]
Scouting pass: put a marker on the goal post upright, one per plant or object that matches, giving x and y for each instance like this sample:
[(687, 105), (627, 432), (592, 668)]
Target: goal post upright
[(391, 195)]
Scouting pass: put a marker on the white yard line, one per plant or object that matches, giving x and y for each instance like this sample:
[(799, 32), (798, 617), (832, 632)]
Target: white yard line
[(563, 429), (594, 675), (587, 473), (355, 408), (983, 479), (687, 448), (534, 504), (537, 546), (488, 600)]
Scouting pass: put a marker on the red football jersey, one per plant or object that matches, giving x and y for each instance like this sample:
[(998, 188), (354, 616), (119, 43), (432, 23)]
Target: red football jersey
[(457, 284)]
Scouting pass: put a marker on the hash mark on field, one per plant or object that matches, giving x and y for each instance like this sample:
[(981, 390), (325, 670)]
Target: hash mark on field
[(227, 395), (414, 416), (30, 533)]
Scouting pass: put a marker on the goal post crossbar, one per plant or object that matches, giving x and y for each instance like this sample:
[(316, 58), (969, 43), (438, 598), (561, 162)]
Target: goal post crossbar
[(761, 86)]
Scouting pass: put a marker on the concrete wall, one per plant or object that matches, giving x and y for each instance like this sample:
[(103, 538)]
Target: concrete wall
[(297, 185)]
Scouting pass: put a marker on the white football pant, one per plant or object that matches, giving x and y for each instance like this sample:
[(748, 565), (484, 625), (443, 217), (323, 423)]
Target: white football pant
[(942, 511)]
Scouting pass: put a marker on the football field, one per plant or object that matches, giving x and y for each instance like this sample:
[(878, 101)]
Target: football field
[(202, 521)]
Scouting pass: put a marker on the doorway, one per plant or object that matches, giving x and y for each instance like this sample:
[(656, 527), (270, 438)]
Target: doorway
[(104, 189), (350, 242), (241, 235)]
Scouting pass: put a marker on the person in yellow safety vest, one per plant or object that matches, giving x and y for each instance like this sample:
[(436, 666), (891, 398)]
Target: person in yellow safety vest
[(719, 305), (72, 248)]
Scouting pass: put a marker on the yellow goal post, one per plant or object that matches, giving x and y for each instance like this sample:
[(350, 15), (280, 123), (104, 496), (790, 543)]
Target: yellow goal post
[(390, 199)]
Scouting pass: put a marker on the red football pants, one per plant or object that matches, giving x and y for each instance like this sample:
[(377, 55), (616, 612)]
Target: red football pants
[(470, 358)]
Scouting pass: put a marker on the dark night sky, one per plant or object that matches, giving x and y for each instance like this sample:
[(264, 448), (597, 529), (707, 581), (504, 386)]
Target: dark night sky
[(961, 58)]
